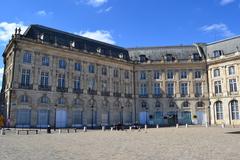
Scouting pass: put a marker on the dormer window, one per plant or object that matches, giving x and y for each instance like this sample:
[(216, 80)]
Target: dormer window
[(169, 58), (72, 44), (217, 53), (142, 58), (41, 36), (196, 57), (120, 55), (99, 50)]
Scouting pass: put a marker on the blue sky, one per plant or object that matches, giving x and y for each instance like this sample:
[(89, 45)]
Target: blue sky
[(128, 23)]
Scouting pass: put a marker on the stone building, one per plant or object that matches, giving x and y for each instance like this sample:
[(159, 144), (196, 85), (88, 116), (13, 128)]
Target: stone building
[(60, 79)]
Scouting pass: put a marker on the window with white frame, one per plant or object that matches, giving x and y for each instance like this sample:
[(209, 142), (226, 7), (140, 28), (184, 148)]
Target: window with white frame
[(143, 89), (61, 101), (197, 74), (183, 74), (45, 61), (44, 79), (198, 88), (217, 53), (156, 89), (126, 74), (24, 99), (104, 70), (104, 85), (25, 81), (142, 75), (115, 73), (156, 74), (91, 84), (218, 87), (170, 88), (219, 110), (44, 99), (234, 110), (184, 89), (231, 70), (27, 57), (77, 83), (61, 81), (169, 74), (62, 64), (78, 67), (115, 87), (233, 85), (216, 72), (91, 68)]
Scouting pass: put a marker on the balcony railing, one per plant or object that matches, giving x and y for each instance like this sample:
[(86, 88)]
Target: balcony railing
[(157, 95), (25, 86), (92, 92), (77, 90), (128, 95), (143, 95), (183, 95), (62, 89), (105, 93), (44, 88), (170, 95), (116, 94), (198, 95)]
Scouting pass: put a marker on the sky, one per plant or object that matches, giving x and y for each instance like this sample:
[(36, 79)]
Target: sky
[(126, 23)]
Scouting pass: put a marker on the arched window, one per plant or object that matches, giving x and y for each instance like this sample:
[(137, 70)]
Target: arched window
[(219, 110), (216, 72), (144, 104), (234, 109), (158, 104), (44, 99), (185, 104)]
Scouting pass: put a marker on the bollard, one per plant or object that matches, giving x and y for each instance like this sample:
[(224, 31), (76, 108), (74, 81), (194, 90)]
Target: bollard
[(177, 125), (130, 128), (223, 126), (84, 129), (206, 125), (186, 125), (157, 126), (145, 127), (2, 131), (59, 131), (103, 128)]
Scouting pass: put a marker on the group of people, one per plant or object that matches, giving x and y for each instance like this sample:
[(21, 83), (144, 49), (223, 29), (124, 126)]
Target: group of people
[(1, 121)]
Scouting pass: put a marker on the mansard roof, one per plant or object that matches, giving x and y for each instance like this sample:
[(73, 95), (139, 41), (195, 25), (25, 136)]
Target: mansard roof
[(182, 52), (54, 36)]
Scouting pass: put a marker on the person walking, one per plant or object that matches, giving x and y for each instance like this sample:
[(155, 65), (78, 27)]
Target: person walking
[(1, 121)]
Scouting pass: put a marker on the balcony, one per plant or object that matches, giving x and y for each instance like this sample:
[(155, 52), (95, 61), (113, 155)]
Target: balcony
[(157, 95), (198, 95), (143, 95), (78, 90), (105, 93), (128, 95), (44, 88), (116, 94), (25, 86), (62, 89), (183, 95), (92, 92), (170, 95)]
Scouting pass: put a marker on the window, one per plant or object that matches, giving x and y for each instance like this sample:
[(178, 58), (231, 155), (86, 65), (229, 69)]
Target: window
[(45, 61), (77, 83), (115, 73), (104, 85), (27, 57), (200, 104), (91, 68), (197, 74), (143, 89), (115, 87), (184, 75), (218, 87), (77, 101), (91, 84), (169, 57), (25, 81), (184, 89), (142, 75), (158, 104), (233, 85), (234, 110), (231, 70), (171, 104), (216, 72), (156, 75), (126, 74), (170, 88), (44, 79), (170, 75), (62, 63), (196, 56), (219, 110), (198, 89), (77, 66), (217, 53), (104, 70), (44, 99), (185, 104), (156, 89), (61, 100), (61, 81), (24, 99), (144, 104)]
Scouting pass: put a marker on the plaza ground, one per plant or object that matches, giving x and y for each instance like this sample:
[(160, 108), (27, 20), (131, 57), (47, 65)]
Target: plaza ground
[(163, 143)]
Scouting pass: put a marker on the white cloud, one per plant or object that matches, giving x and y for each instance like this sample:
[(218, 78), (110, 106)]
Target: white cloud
[(100, 35), (1, 76), (105, 10), (42, 13), (226, 2), (7, 29), (96, 3), (220, 28)]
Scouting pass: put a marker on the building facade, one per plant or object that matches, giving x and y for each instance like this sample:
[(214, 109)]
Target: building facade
[(56, 78)]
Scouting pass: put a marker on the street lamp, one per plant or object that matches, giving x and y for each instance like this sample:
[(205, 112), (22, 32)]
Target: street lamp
[(92, 115)]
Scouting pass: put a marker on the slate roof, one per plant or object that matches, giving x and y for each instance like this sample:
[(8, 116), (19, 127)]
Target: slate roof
[(62, 38)]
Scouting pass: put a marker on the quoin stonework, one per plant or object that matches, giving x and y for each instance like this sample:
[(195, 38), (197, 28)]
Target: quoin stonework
[(63, 80)]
